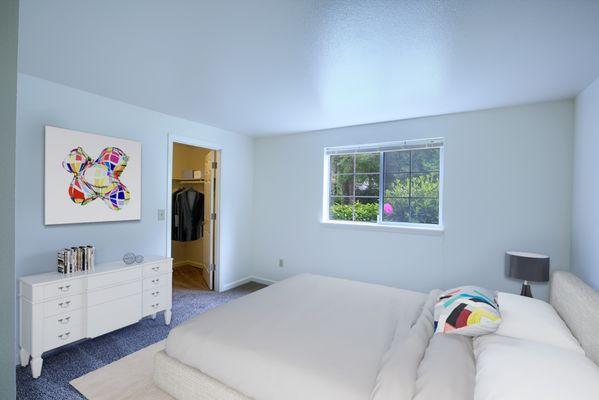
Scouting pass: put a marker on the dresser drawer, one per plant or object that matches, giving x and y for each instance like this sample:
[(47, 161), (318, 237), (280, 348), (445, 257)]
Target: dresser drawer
[(113, 278), (155, 300), (66, 288), (153, 282), (157, 269), (116, 314), (63, 305), (113, 293), (62, 329)]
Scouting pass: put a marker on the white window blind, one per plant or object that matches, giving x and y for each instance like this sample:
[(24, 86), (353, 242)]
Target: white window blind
[(388, 146)]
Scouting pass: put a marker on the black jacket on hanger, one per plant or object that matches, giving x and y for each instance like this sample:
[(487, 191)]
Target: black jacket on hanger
[(188, 215)]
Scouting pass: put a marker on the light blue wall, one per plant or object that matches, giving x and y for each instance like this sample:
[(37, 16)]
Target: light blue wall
[(41, 102), (506, 187), (585, 213), (9, 21)]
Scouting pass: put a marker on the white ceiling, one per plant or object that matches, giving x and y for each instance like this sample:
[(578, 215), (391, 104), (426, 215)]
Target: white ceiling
[(278, 66)]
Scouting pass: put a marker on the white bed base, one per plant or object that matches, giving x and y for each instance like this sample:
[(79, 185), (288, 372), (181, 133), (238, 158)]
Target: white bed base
[(578, 305), (186, 383), (575, 301)]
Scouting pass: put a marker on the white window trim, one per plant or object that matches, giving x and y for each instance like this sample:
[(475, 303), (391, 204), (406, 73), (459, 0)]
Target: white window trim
[(383, 226)]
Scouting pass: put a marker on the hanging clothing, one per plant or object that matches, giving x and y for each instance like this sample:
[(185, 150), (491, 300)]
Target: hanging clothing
[(188, 215)]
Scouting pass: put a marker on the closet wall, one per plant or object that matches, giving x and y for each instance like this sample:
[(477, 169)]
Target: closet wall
[(187, 158)]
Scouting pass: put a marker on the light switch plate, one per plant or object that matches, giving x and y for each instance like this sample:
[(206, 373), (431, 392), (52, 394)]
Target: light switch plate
[(161, 215)]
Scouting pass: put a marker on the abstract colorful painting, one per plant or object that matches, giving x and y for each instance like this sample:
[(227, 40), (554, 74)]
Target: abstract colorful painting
[(81, 188), (98, 179)]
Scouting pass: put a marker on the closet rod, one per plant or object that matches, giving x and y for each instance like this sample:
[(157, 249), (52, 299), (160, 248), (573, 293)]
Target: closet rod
[(183, 180)]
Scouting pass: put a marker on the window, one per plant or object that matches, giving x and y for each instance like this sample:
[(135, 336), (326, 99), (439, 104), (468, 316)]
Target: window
[(390, 183)]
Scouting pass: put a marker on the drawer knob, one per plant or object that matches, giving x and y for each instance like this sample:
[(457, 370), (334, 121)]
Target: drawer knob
[(64, 336), (156, 293), (156, 269), (155, 281), (155, 305), (64, 320), (64, 304), (64, 288)]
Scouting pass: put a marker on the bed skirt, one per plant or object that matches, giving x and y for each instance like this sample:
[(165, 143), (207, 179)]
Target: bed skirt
[(187, 383)]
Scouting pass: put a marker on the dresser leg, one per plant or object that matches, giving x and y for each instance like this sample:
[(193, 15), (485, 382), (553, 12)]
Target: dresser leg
[(24, 356), (36, 366), (153, 316), (167, 317)]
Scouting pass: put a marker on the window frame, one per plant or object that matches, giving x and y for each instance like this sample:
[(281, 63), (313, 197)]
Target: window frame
[(404, 145)]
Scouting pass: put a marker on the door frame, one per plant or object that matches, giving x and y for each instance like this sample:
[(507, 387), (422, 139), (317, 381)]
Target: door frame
[(172, 138)]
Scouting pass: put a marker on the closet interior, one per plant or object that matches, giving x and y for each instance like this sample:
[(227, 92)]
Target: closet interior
[(193, 215)]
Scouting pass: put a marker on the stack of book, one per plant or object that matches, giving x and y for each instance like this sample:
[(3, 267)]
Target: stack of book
[(76, 259)]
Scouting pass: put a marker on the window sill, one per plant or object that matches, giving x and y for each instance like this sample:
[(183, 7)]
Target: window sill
[(417, 230)]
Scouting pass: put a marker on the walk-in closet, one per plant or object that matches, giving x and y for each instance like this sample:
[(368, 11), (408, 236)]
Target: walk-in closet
[(193, 216)]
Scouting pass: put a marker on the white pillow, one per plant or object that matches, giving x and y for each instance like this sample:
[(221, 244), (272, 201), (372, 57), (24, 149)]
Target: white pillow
[(447, 370), (396, 378), (516, 369), (535, 320)]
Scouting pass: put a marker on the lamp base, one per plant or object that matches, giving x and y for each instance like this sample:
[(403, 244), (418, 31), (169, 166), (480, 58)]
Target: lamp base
[(526, 290)]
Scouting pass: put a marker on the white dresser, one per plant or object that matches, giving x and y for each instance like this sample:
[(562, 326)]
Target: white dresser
[(57, 309)]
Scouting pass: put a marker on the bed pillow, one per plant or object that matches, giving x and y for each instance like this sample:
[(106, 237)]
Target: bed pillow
[(448, 369), (515, 369), (535, 320), (396, 378), (467, 310)]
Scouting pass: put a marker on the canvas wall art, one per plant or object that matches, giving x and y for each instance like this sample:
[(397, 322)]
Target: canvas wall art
[(90, 178)]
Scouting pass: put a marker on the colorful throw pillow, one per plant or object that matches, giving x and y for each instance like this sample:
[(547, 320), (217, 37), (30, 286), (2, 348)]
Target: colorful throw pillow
[(467, 310)]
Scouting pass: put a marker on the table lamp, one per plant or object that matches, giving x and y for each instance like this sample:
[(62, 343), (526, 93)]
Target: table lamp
[(528, 267)]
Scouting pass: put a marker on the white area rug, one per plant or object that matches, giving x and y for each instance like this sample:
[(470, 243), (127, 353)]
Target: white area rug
[(129, 378)]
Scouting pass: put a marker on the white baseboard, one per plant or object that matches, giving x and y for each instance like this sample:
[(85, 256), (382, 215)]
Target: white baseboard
[(196, 264), (259, 279), (188, 262), (234, 284), (245, 280)]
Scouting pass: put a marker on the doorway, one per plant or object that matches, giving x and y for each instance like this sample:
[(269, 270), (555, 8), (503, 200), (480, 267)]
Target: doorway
[(193, 215)]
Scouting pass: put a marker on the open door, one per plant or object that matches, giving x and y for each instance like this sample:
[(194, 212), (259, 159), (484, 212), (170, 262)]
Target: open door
[(209, 227), (193, 168)]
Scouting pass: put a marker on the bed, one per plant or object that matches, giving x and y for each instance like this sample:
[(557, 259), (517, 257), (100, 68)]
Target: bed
[(314, 337)]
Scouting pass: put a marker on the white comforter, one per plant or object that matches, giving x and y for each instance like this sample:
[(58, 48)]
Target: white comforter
[(308, 337)]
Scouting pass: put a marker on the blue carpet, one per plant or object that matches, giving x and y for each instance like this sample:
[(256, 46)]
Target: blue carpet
[(70, 362)]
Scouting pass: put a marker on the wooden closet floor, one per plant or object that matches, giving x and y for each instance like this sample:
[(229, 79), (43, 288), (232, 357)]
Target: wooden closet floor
[(188, 277)]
